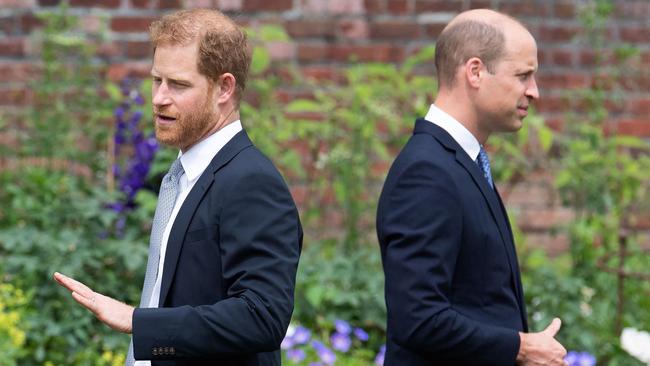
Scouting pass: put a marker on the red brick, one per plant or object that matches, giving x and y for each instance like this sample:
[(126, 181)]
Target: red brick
[(433, 30), (524, 8), (170, 4), (309, 28), (570, 80), (588, 58), (17, 4), (13, 97), (323, 73), (397, 7), (437, 5), (109, 50), (557, 33), (634, 127), (49, 2), (366, 53), (636, 82), (394, 30), (354, 28), (480, 4), (12, 46), (543, 219), (227, 5), (142, 3), (374, 7), (9, 25), (635, 34), (299, 193), (281, 50), (117, 72), (135, 49), (552, 104), (553, 244), (267, 5), (312, 52), (562, 57), (131, 24), (564, 10), (639, 106), (18, 71), (29, 22), (96, 3)]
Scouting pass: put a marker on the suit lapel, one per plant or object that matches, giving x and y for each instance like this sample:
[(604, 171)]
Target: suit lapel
[(179, 228), (517, 278), (498, 213)]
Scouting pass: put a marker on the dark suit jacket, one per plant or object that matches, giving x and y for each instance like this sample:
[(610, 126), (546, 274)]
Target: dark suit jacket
[(453, 291), (230, 267)]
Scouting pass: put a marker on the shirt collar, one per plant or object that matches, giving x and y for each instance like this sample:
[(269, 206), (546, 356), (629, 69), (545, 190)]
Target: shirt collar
[(458, 132), (198, 157)]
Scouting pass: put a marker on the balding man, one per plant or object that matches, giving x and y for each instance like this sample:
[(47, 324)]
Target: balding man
[(226, 235), (453, 288)]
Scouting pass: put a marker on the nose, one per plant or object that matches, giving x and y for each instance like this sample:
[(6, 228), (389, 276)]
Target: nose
[(532, 91), (160, 94)]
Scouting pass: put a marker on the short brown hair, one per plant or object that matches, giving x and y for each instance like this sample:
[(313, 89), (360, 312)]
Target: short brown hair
[(464, 40), (223, 45)]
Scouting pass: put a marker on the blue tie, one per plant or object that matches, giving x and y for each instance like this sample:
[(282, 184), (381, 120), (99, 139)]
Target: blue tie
[(484, 163), (166, 201)]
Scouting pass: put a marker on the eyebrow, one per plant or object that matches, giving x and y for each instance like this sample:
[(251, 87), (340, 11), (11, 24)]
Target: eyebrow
[(171, 79)]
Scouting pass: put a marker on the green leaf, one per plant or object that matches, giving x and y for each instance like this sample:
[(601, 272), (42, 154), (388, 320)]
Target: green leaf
[(261, 60)]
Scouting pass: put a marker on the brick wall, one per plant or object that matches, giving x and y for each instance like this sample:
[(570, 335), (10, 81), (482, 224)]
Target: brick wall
[(325, 33)]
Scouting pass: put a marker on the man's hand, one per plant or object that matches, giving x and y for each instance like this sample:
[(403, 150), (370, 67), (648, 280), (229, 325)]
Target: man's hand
[(542, 348), (111, 312)]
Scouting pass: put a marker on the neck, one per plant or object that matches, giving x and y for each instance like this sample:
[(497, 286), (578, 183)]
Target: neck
[(458, 104)]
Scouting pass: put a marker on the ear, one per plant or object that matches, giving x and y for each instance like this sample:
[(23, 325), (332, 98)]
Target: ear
[(226, 86), (474, 69)]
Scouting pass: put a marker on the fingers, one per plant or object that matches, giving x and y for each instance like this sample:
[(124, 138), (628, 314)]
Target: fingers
[(80, 292), (553, 328), (88, 303)]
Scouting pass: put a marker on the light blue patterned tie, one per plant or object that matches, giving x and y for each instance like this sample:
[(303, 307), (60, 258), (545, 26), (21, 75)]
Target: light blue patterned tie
[(484, 163), (166, 200)]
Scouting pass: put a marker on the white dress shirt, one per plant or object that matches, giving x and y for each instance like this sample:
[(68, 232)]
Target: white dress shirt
[(194, 161), (460, 133)]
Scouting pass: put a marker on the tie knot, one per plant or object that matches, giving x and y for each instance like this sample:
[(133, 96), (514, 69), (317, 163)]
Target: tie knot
[(176, 170)]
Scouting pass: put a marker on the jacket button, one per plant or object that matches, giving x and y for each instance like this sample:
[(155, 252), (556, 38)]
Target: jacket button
[(172, 351), (154, 351), (166, 351)]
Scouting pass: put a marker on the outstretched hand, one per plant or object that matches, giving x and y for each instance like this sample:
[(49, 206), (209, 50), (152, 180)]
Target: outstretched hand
[(109, 311)]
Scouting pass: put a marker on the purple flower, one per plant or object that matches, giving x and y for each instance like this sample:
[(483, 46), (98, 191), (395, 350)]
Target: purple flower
[(360, 334), (379, 359), (287, 343), (342, 326), (296, 355), (325, 354), (574, 358), (315, 364), (340, 342), (301, 335)]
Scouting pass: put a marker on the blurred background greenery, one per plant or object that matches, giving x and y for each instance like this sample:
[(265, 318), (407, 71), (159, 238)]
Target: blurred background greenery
[(86, 210)]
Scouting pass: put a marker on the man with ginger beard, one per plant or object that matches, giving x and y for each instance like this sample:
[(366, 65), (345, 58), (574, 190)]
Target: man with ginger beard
[(453, 287), (226, 236)]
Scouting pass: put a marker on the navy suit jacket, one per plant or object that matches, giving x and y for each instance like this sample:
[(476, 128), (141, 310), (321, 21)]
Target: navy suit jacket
[(453, 290), (229, 275)]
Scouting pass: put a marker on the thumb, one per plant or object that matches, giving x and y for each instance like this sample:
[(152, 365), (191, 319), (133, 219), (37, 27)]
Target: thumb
[(553, 328)]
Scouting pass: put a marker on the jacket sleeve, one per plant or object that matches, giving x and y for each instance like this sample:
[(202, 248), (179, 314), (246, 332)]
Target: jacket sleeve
[(419, 226), (260, 241)]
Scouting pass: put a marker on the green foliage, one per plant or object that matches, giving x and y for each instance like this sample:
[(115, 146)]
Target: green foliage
[(336, 286), (604, 179), (12, 323), (68, 104), (54, 215)]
